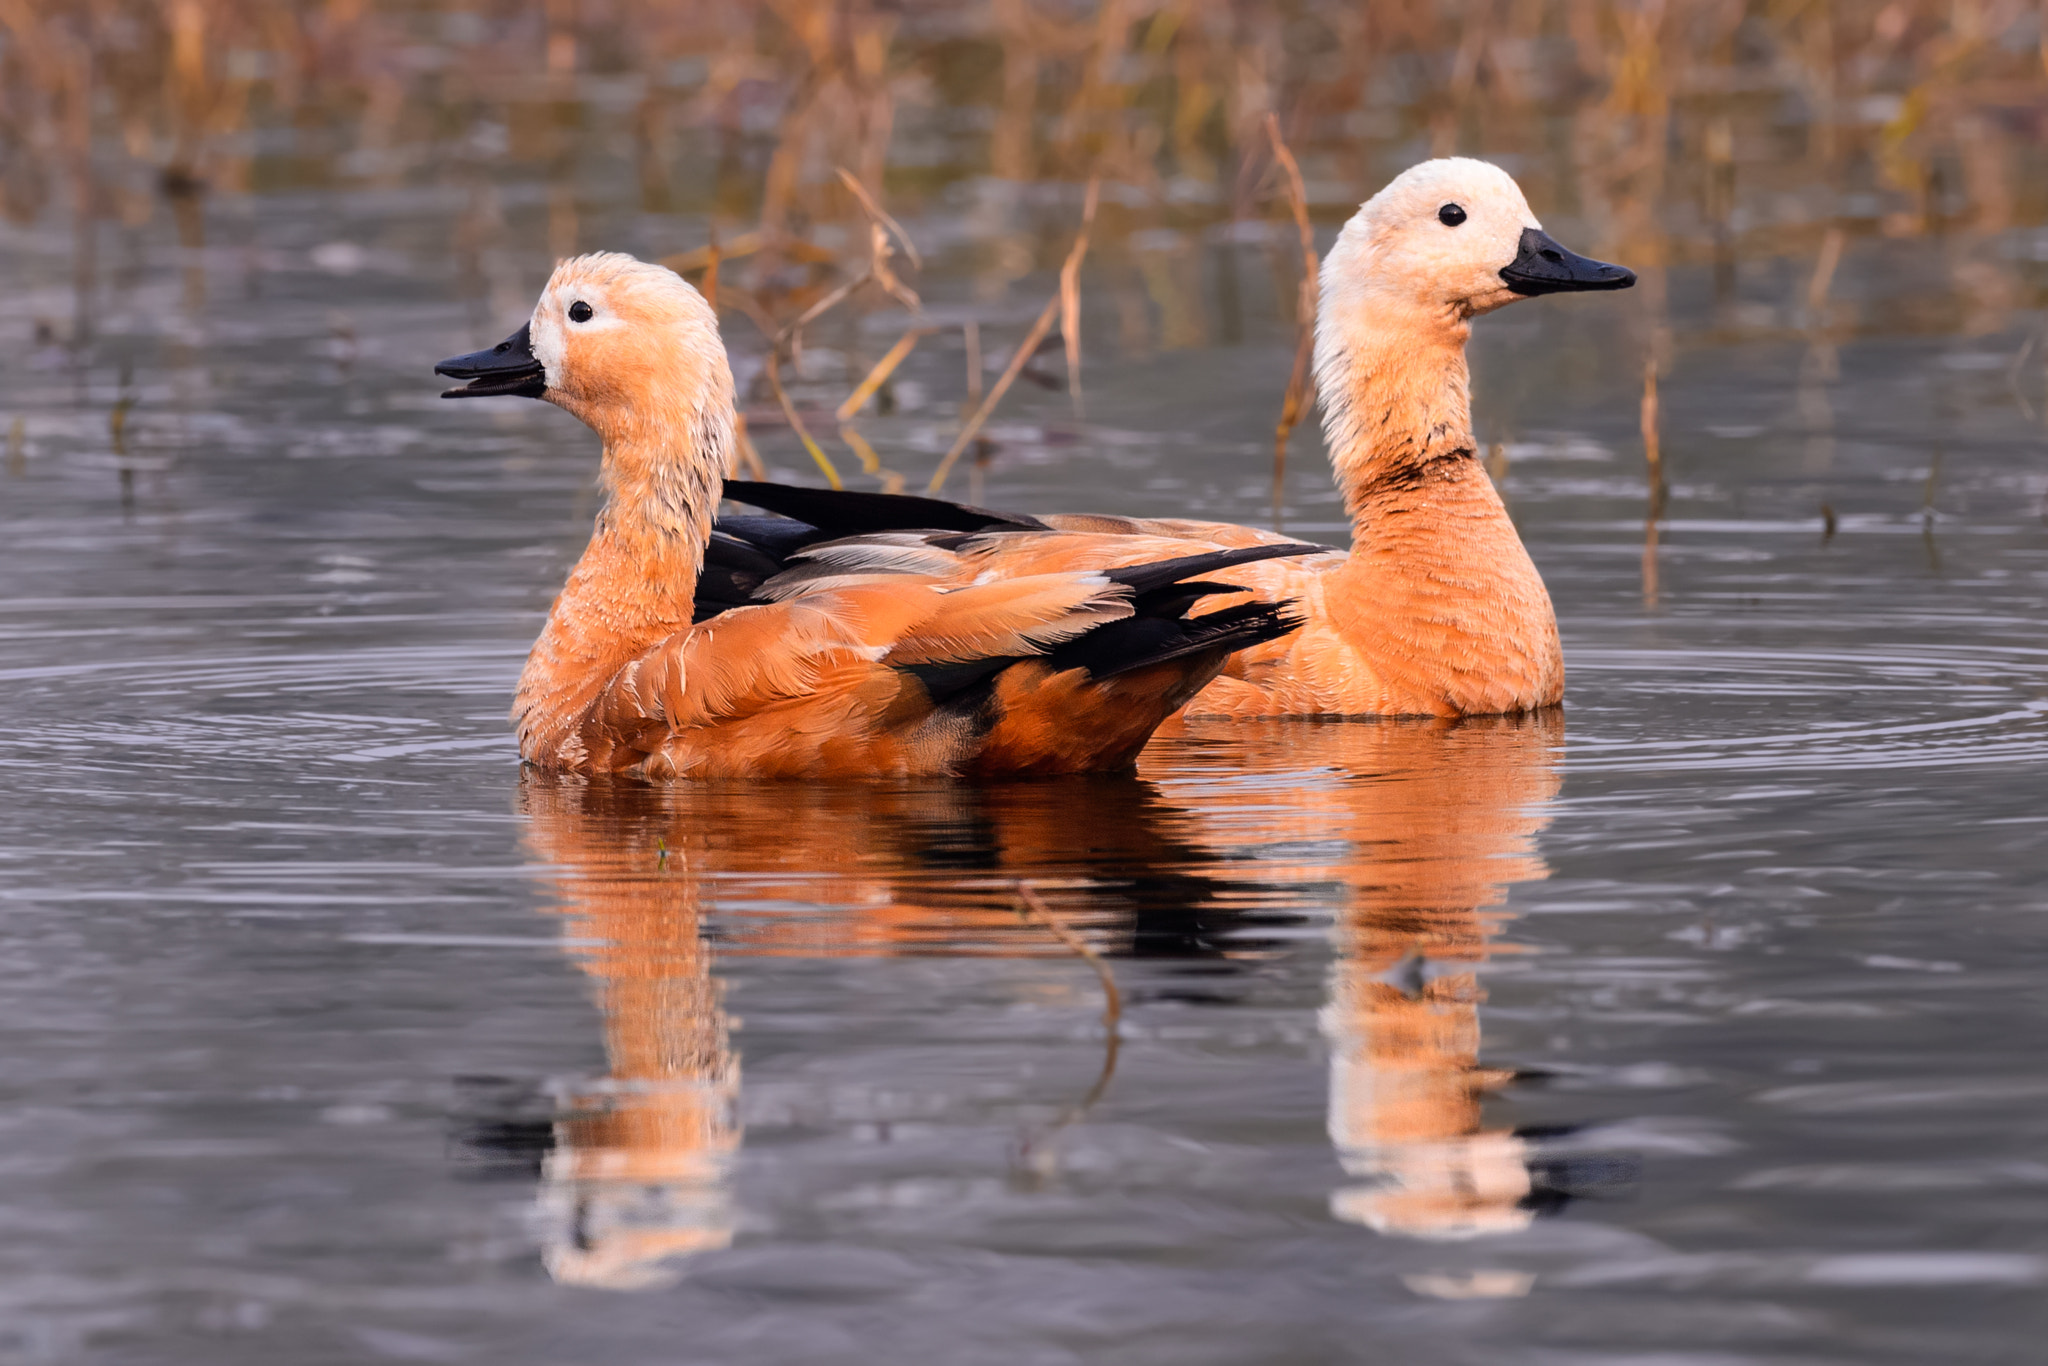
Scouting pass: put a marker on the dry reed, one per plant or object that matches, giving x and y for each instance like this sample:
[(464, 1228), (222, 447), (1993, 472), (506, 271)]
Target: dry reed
[(1665, 124), (1300, 382), (1028, 348), (1653, 461)]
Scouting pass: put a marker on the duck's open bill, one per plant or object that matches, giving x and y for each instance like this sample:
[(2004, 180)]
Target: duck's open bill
[(510, 367), (1544, 267)]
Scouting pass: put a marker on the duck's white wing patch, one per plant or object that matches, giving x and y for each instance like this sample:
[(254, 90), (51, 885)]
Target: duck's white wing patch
[(838, 564)]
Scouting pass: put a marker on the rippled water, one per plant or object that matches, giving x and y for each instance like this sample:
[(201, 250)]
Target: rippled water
[(1701, 1024)]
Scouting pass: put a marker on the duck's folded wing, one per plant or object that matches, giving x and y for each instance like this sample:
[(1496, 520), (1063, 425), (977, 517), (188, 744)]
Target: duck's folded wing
[(902, 660), (752, 560), (742, 662), (1010, 618), (756, 657)]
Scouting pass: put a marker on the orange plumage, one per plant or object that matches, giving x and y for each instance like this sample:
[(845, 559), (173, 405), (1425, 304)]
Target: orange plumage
[(884, 656), (1437, 609)]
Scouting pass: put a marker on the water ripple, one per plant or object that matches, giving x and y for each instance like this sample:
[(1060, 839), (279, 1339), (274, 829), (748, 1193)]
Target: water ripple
[(1955, 707)]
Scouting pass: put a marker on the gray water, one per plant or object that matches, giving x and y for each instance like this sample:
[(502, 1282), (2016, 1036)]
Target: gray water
[(1701, 1024)]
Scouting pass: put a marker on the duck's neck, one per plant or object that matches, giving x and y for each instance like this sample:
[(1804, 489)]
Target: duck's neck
[(636, 583), (1436, 564), (1397, 416)]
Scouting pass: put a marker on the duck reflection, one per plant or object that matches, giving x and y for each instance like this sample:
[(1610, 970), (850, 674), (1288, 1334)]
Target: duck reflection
[(635, 1172), (1426, 825), (1415, 831)]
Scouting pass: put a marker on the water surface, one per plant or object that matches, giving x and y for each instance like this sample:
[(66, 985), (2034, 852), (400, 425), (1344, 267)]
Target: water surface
[(1698, 1024)]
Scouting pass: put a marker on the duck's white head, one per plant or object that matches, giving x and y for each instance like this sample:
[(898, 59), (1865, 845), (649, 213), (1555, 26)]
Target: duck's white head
[(1451, 237), (616, 341)]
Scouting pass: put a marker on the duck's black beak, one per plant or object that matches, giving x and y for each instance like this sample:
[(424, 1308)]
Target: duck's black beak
[(507, 368), (1544, 267)]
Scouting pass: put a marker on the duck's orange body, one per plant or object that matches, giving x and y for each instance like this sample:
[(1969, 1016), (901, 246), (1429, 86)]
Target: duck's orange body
[(870, 657), (1436, 610)]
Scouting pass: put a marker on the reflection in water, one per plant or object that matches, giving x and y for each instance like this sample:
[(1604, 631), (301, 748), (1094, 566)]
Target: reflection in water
[(1420, 828), (637, 1175), (1426, 825), (1445, 823)]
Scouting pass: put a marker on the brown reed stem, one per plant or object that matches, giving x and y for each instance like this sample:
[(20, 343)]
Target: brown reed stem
[(709, 289), (881, 216), (791, 333), (879, 376), (1653, 452), (1653, 457), (1300, 382), (1824, 267), (1025, 350), (1039, 1152), (869, 461), (748, 456), (789, 338), (1070, 295), (796, 423)]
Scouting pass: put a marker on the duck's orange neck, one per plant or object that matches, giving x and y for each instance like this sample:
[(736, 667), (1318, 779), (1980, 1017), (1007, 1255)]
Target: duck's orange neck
[(1397, 409), (1438, 581), (665, 461)]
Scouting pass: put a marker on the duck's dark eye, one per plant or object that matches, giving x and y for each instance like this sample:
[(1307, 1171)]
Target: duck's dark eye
[(579, 312), (1450, 215)]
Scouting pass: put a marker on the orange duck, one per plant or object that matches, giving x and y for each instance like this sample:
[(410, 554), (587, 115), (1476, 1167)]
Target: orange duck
[(1437, 609), (878, 655)]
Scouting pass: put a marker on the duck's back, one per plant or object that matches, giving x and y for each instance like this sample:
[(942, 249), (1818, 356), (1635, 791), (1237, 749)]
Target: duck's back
[(1393, 629)]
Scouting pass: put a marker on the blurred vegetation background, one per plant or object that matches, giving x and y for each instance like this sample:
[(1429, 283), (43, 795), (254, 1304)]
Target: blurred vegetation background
[(1722, 133)]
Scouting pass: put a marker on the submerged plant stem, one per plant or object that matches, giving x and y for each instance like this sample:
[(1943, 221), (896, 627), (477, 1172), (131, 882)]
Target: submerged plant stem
[(1032, 907)]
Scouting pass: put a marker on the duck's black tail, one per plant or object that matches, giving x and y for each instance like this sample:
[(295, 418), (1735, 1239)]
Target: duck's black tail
[(1140, 642), (1160, 629)]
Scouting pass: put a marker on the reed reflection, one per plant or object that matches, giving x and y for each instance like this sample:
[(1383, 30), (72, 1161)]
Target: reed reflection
[(1415, 830)]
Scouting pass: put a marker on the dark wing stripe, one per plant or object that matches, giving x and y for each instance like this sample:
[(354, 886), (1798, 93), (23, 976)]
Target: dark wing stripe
[(846, 512), (727, 551), (1138, 642), (948, 684), (779, 537), (1175, 598), (1143, 578)]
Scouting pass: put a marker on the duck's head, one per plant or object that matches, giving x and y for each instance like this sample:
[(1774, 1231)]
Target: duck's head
[(1452, 236), (614, 340)]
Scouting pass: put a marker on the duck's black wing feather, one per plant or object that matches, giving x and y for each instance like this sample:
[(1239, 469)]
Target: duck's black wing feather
[(846, 512), (1159, 628), (748, 550), (739, 559)]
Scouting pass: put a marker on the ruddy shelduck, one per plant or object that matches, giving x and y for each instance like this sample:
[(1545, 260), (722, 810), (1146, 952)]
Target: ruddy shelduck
[(801, 654), (1436, 610)]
